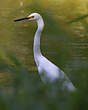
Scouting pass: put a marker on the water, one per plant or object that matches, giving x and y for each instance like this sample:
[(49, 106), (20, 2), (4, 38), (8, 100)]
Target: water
[(62, 43)]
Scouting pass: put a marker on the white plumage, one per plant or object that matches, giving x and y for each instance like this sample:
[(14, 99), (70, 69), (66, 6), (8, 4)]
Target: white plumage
[(48, 71)]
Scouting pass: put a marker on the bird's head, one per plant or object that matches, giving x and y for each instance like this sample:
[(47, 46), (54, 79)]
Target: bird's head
[(33, 16)]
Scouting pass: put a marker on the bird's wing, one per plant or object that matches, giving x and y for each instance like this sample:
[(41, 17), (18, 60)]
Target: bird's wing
[(52, 72), (49, 69)]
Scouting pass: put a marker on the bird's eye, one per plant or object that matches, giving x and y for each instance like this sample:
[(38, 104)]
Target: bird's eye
[(32, 16)]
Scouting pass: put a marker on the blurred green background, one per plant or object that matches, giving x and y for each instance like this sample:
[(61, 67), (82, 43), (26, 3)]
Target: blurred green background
[(63, 42)]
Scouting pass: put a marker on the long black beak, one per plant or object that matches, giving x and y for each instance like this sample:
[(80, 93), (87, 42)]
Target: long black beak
[(21, 19)]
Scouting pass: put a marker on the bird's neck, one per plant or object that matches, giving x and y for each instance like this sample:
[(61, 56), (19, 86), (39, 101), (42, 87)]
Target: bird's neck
[(36, 49)]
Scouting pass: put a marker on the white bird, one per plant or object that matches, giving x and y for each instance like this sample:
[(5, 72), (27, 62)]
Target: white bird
[(48, 71)]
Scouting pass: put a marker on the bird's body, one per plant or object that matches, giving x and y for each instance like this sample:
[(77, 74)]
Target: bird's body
[(47, 70)]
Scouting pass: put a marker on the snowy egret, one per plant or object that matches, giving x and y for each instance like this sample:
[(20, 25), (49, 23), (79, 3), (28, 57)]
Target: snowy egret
[(47, 70)]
